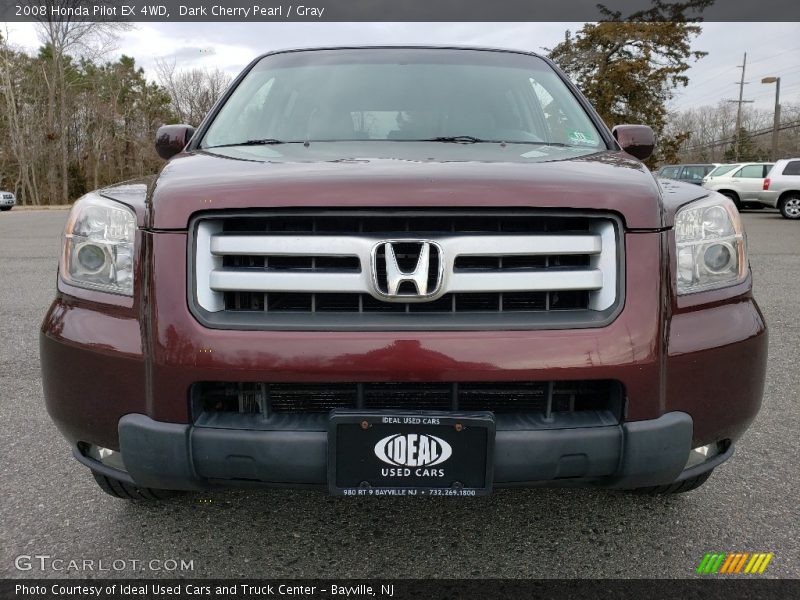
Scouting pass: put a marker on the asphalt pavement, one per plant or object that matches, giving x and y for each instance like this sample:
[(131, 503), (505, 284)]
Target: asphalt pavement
[(50, 505)]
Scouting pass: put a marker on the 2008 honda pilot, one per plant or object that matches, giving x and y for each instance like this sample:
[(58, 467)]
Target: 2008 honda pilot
[(408, 271)]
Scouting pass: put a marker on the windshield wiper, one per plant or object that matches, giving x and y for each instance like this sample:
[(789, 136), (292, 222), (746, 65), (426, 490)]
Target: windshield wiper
[(262, 142), (471, 139), (456, 139)]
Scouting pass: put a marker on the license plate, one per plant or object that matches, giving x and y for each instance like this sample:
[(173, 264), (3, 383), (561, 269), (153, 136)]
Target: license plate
[(410, 454)]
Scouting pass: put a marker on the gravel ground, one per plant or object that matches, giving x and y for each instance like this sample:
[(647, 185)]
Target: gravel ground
[(51, 506)]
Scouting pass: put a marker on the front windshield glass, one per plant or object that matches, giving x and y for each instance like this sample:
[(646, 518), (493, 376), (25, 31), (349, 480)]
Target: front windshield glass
[(402, 94)]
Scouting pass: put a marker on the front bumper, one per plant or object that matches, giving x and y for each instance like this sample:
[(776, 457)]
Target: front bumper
[(184, 457)]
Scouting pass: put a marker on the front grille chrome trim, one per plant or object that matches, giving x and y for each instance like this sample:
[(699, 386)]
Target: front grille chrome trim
[(219, 279), (227, 263)]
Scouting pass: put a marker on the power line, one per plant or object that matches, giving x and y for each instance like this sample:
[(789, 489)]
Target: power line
[(769, 93), (689, 94), (774, 55), (758, 133)]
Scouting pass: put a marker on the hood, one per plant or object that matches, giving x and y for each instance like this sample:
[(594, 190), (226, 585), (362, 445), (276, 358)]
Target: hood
[(405, 175)]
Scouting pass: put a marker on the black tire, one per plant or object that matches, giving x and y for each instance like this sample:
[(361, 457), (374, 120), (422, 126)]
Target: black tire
[(5, 208), (125, 491), (790, 206), (687, 485), (734, 197)]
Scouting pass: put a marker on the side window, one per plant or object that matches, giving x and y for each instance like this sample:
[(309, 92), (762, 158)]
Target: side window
[(722, 170), (767, 169), (792, 168), (670, 172), (693, 173), (751, 171)]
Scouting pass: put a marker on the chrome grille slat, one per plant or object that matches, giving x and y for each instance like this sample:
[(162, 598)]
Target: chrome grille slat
[(527, 281), (316, 282), (457, 245), (278, 281)]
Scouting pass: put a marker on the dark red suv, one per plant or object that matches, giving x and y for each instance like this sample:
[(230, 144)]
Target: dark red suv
[(405, 271)]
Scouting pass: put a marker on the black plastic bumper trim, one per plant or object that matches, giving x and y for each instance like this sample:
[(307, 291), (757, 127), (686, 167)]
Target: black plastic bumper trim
[(179, 456), (98, 467), (706, 465)]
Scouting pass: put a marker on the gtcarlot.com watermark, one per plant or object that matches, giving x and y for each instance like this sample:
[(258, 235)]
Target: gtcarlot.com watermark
[(49, 563)]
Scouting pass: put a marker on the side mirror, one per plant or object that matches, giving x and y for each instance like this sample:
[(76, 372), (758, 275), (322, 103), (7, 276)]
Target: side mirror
[(636, 140), (171, 139)]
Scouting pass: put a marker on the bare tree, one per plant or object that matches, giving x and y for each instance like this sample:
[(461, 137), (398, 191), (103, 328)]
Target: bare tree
[(62, 37), (710, 130), (194, 91), (14, 121)]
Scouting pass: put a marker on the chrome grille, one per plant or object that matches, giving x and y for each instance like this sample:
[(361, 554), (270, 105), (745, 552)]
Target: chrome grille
[(271, 269)]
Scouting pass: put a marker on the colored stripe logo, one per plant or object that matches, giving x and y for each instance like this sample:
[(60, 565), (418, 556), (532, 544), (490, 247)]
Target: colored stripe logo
[(734, 563)]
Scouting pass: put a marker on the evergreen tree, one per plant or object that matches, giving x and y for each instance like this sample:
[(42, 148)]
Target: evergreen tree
[(629, 68), (748, 152)]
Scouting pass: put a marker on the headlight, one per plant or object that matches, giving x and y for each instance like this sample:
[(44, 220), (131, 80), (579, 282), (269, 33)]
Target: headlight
[(710, 246), (98, 246)]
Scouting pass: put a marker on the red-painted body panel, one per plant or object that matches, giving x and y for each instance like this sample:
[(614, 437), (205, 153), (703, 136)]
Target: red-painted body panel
[(610, 181), (92, 359), (716, 366)]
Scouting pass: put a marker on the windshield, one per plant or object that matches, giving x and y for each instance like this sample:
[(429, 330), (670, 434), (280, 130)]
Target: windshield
[(721, 170), (402, 94)]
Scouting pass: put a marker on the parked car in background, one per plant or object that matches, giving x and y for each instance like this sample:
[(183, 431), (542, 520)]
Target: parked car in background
[(782, 187), (7, 200), (743, 183), (687, 173)]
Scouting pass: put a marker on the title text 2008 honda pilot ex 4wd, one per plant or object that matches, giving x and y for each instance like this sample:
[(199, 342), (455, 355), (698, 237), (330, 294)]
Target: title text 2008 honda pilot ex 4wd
[(408, 271)]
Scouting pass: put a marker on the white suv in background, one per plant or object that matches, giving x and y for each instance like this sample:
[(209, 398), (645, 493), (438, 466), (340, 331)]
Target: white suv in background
[(7, 200), (743, 182), (782, 187)]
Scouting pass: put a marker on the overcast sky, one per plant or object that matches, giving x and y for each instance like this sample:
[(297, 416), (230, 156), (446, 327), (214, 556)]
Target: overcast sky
[(773, 49)]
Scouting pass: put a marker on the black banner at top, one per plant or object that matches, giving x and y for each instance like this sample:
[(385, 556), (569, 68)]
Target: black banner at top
[(391, 10)]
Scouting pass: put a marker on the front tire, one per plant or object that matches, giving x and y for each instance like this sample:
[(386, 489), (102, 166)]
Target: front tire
[(5, 208), (790, 207), (681, 487), (125, 491)]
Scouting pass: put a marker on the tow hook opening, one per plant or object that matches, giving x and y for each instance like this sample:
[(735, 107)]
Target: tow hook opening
[(106, 456), (701, 454)]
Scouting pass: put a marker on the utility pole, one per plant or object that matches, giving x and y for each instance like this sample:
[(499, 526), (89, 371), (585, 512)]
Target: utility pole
[(776, 119), (739, 111)]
